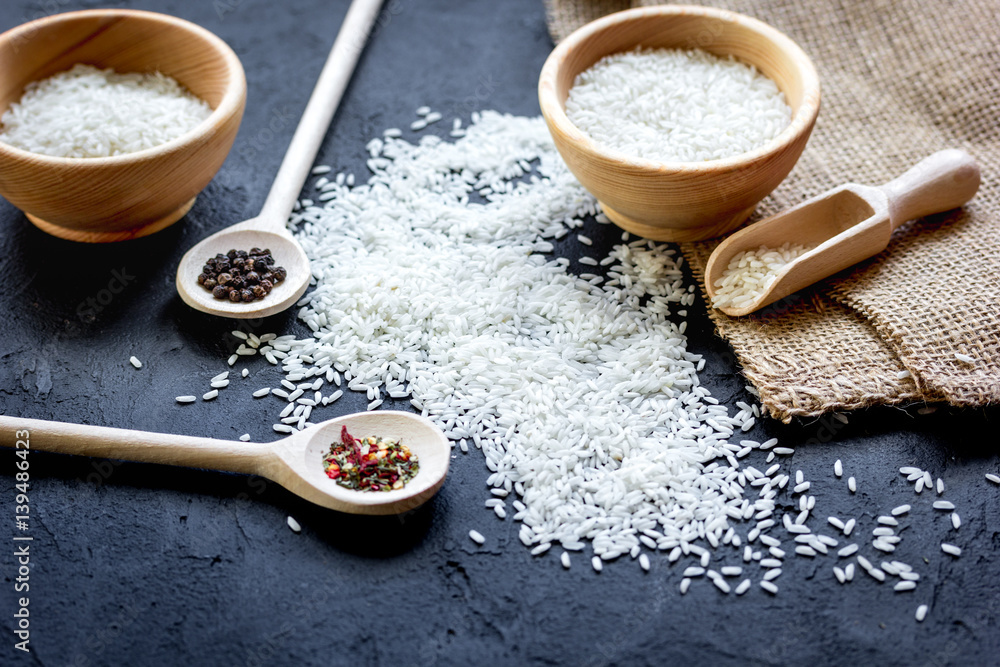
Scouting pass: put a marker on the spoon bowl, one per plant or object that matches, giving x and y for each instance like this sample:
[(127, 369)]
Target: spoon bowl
[(285, 250), (295, 462), (305, 462)]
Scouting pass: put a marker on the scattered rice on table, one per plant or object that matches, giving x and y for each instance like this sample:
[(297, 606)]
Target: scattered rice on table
[(472, 325)]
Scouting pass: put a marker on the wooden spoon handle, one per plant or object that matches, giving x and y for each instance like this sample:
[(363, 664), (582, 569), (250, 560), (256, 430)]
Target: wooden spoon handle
[(129, 445), (319, 112), (940, 182)]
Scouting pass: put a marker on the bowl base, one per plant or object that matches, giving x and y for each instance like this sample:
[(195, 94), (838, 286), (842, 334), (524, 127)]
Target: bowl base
[(139, 231), (678, 235)]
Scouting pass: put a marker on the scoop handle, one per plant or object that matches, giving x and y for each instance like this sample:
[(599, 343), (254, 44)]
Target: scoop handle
[(130, 445), (940, 182)]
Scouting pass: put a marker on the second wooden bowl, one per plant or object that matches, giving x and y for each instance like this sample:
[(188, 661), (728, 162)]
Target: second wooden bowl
[(126, 196), (680, 201)]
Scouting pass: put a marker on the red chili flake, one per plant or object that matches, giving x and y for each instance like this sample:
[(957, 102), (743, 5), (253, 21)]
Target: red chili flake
[(370, 464)]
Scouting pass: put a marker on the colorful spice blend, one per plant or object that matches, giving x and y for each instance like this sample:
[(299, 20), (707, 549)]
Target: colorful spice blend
[(241, 276), (371, 463)]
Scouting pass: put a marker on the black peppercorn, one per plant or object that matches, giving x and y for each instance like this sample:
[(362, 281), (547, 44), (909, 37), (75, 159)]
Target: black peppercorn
[(240, 275)]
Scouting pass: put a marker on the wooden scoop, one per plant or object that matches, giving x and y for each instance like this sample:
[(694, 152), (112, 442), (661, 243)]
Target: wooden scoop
[(295, 462), (847, 224)]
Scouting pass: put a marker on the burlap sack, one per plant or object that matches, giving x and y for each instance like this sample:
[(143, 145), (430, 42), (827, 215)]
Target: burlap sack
[(901, 79)]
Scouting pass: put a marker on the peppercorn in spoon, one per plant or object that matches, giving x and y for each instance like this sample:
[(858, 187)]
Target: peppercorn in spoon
[(268, 231)]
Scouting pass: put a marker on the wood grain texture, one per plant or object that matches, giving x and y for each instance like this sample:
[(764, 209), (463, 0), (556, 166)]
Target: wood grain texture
[(121, 197), (295, 462), (680, 201)]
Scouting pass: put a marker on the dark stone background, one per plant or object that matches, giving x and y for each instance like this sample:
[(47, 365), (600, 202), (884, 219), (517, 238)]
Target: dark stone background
[(137, 564)]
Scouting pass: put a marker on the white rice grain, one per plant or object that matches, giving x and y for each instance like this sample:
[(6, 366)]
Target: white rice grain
[(951, 549)]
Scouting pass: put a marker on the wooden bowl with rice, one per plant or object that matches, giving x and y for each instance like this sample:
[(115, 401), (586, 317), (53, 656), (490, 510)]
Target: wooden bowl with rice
[(680, 200), (119, 197)]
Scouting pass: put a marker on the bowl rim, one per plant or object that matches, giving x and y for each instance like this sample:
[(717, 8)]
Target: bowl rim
[(229, 106), (555, 113)]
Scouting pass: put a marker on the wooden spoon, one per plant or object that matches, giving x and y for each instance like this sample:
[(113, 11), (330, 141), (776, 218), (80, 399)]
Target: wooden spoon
[(268, 229), (847, 224), (295, 462)]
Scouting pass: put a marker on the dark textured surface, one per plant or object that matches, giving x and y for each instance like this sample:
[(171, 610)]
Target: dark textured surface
[(146, 565)]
